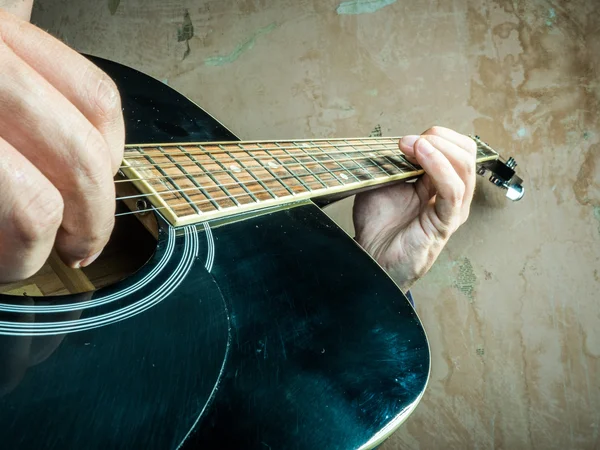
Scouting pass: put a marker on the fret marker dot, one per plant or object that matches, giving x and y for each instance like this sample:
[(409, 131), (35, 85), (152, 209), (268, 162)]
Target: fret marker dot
[(235, 168), (273, 165), (343, 176)]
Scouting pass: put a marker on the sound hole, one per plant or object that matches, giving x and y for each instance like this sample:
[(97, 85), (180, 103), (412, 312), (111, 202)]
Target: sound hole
[(130, 247)]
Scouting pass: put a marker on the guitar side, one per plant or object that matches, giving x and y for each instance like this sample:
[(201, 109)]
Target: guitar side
[(278, 332)]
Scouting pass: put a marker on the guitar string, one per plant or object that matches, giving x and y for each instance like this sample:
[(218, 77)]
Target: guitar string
[(230, 197), (267, 166), (181, 152), (221, 147), (211, 200), (276, 179)]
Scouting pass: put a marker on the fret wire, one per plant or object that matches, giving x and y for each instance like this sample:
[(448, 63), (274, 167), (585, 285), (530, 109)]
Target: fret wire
[(268, 169), (191, 178), (216, 198), (403, 160), (207, 172), (384, 174), (324, 167), (251, 173), (358, 160), (339, 163), (296, 146), (266, 150), (302, 165), (381, 156), (219, 198), (174, 184), (377, 165), (230, 173), (392, 149)]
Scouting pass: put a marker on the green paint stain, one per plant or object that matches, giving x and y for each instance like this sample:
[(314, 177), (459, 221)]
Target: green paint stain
[(466, 280), (551, 17), (597, 216), (362, 6), (240, 49), (586, 135), (113, 5), (373, 92)]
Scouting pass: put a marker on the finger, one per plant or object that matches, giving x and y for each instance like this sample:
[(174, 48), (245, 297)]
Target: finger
[(51, 133), (463, 161), (449, 187), (83, 84), (406, 146), (30, 215), (462, 141), (465, 142), (424, 188)]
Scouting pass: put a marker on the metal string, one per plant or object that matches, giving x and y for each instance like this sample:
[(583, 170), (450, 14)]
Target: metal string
[(314, 174), (237, 147), (303, 165), (225, 197), (134, 154)]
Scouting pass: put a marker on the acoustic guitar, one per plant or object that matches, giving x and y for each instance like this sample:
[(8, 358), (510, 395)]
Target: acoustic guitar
[(253, 322)]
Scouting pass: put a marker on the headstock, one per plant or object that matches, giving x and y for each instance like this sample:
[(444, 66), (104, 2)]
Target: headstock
[(502, 172)]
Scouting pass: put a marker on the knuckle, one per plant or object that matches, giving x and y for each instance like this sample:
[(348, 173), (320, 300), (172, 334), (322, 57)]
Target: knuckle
[(469, 166), (471, 146), (93, 164), (103, 95), (456, 195), (435, 130), (40, 217)]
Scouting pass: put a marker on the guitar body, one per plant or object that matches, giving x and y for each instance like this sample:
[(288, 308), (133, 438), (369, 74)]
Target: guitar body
[(266, 331)]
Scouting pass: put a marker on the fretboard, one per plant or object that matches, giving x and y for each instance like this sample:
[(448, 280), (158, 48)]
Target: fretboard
[(191, 183)]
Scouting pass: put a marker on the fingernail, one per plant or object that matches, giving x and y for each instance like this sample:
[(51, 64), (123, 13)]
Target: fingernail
[(425, 148), (409, 140), (87, 261)]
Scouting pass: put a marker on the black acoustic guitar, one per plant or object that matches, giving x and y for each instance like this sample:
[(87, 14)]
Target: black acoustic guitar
[(256, 323)]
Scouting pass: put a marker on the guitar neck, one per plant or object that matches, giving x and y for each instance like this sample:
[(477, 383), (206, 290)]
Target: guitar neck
[(191, 183)]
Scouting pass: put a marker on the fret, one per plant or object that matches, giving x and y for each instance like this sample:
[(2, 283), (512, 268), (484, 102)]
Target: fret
[(191, 178), (342, 174), (216, 183), (258, 180), (310, 155), (309, 172), (373, 157), (268, 169), (385, 165), (172, 182), (190, 183), (286, 167), (357, 160), (231, 174)]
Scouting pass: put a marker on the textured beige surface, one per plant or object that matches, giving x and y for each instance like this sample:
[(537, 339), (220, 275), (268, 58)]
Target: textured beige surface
[(512, 307)]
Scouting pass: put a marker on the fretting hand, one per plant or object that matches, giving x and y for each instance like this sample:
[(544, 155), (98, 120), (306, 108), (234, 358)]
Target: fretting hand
[(406, 226)]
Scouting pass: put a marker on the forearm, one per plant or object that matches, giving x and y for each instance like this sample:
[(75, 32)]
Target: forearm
[(20, 8)]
